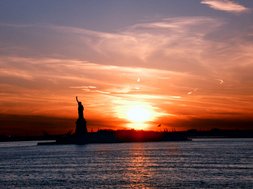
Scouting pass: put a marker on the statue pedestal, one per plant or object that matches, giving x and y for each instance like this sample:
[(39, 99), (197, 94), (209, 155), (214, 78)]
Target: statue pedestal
[(81, 129)]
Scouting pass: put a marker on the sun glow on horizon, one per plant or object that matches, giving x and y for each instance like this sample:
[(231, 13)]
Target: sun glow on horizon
[(138, 114)]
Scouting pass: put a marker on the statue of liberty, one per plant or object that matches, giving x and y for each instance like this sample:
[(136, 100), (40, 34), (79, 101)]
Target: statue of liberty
[(80, 109), (81, 128)]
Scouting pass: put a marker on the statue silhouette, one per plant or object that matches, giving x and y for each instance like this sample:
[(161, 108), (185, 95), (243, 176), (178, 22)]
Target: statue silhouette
[(81, 129), (80, 109)]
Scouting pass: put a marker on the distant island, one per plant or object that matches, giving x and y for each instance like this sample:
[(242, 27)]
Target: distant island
[(119, 136), (189, 134)]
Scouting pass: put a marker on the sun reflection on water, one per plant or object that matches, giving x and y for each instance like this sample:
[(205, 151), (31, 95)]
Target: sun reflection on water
[(139, 172)]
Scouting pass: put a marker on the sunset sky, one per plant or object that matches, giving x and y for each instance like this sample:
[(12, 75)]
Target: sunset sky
[(182, 64)]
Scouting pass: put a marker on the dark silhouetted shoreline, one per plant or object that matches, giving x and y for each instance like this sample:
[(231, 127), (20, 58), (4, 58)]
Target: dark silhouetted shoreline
[(128, 135), (119, 136)]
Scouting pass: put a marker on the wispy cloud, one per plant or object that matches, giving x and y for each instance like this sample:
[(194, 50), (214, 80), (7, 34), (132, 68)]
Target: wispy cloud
[(162, 62), (226, 5)]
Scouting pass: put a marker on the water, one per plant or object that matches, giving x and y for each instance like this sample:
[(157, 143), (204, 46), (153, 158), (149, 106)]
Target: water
[(205, 163)]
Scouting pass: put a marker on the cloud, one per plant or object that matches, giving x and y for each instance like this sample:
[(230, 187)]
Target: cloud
[(225, 5), (54, 81), (30, 125), (210, 123), (137, 45), (157, 62), (34, 125)]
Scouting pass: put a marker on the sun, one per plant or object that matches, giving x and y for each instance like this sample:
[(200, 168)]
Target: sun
[(139, 114)]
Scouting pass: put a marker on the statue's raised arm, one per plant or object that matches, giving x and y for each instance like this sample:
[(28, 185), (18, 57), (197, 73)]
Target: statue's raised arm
[(77, 99)]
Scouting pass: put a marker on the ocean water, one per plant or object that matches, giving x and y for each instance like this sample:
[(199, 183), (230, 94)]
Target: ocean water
[(202, 163)]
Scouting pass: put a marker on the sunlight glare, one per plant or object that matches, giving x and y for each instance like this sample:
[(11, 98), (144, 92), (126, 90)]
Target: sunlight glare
[(138, 114)]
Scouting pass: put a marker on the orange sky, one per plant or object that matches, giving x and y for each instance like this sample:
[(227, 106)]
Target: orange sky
[(188, 71)]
